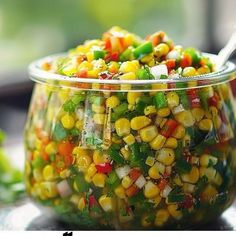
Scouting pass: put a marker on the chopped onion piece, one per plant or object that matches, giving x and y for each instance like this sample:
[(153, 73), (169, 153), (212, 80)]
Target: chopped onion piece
[(166, 191), (159, 70), (178, 109), (64, 189), (140, 182), (122, 171), (174, 54)]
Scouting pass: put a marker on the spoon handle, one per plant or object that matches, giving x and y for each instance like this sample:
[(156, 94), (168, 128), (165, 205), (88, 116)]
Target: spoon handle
[(226, 51)]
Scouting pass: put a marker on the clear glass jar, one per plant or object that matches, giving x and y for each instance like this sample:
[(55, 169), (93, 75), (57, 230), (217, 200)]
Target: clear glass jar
[(132, 154)]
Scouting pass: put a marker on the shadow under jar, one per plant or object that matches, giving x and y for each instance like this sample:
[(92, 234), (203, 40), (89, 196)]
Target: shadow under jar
[(156, 154)]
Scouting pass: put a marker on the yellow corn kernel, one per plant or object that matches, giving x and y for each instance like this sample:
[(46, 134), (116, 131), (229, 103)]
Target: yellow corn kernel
[(154, 171), (120, 192), (172, 99), (191, 177), (81, 203), (198, 113), (125, 87), (149, 110), (51, 148), (93, 74), (151, 190), (139, 122), (163, 112), (166, 156), (207, 159), (177, 180), (74, 199), (99, 157), (116, 139), (90, 56), (156, 200), (148, 133), (132, 97), (63, 94), (79, 124), (150, 161), (37, 174), (49, 189), (92, 170), (161, 50), (205, 124), (113, 67), (78, 151), (99, 180), (129, 139), (208, 114), (145, 221), (218, 179), (185, 118), (85, 65), (189, 71), (83, 163), (99, 119), (65, 174), (98, 108), (27, 168), (112, 102), (171, 143), (225, 91), (38, 144), (217, 122), (129, 66), (106, 203), (126, 182), (68, 121), (213, 110), (158, 142), (203, 70), (49, 173), (174, 211), (162, 216), (179, 132), (209, 193), (188, 188), (122, 127), (125, 153), (129, 39), (209, 172), (128, 76)]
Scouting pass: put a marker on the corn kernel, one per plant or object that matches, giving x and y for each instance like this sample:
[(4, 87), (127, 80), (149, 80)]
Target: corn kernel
[(172, 99), (163, 112), (106, 203), (185, 118), (37, 174), (150, 161), (207, 159), (79, 124), (146, 59), (209, 172), (148, 133), (177, 180), (122, 127), (191, 177), (145, 221), (51, 148), (38, 144), (93, 74), (158, 142), (112, 102), (209, 193), (98, 108), (81, 203), (99, 119), (162, 216), (129, 139), (92, 170), (203, 70), (156, 200), (166, 156), (49, 189), (139, 122), (83, 162), (132, 97), (99, 157), (120, 192), (49, 173), (149, 110), (125, 153), (218, 179), (189, 71), (65, 174), (179, 132), (90, 56), (116, 139), (205, 124), (99, 180), (198, 113), (154, 171), (174, 211), (68, 121), (129, 66), (74, 199), (188, 188), (78, 151), (151, 190), (126, 182), (171, 143), (113, 67)]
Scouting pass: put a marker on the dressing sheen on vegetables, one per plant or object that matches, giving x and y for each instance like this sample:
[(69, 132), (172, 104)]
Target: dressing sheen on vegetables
[(125, 159)]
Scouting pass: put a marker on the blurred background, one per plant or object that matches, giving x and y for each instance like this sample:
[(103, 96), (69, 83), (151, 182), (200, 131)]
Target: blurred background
[(32, 29)]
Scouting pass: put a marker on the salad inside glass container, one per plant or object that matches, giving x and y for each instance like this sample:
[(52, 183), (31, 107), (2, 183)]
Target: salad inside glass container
[(131, 133)]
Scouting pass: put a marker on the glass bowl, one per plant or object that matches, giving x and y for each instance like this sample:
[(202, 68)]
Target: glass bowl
[(140, 154)]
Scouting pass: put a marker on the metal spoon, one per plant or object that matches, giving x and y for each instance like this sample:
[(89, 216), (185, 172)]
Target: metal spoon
[(226, 51)]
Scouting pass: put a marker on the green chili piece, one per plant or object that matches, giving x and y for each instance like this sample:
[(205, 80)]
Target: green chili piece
[(115, 155), (127, 54), (143, 50), (172, 198), (160, 100), (98, 54), (183, 166), (195, 55)]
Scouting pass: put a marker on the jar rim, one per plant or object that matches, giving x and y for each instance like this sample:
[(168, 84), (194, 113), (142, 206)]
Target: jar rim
[(227, 73)]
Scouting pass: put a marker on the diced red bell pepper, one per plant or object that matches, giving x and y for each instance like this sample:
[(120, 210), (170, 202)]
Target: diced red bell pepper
[(162, 184), (185, 60), (92, 201), (134, 174), (112, 56), (68, 160), (104, 168), (169, 128), (213, 101), (105, 75), (83, 73), (132, 190), (65, 148), (187, 203), (171, 63), (193, 98)]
